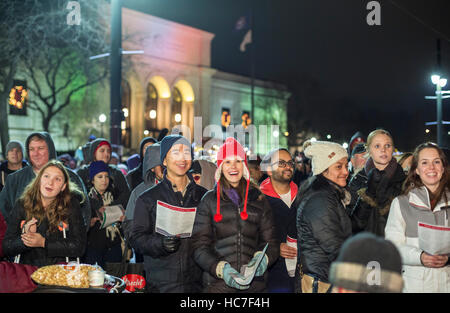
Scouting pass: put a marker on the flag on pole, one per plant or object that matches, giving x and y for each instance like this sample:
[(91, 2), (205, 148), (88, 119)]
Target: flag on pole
[(244, 24)]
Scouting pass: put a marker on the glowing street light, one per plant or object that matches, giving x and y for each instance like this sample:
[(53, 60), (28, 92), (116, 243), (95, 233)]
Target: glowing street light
[(102, 120)]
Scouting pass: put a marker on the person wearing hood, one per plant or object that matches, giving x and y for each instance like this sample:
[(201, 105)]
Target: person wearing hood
[(203, 173), (323, 223), (40, 149), (14, 161), (281, 192), (100, 150), (376, 185), (168, 260), (152, 174), (234, 222), (134, 176)]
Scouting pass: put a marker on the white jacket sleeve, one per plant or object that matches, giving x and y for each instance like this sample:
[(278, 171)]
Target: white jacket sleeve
[(395, 232)]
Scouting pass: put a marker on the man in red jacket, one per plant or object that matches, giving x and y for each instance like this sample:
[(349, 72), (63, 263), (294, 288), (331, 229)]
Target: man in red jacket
[(281, 192)]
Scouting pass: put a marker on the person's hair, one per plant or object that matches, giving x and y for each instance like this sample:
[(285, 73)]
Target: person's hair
[(57, 210), (403, 157), (268, 158), (413, 180), (374, 133)]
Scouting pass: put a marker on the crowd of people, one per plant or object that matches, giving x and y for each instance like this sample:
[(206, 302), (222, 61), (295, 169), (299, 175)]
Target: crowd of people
[(314, 221)]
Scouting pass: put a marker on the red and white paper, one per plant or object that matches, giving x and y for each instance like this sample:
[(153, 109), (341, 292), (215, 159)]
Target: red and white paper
[(291, 263), (434, 239), (173, 220)]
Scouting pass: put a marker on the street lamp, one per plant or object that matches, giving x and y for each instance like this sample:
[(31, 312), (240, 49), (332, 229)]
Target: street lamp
[(440, 82), (102, 119)]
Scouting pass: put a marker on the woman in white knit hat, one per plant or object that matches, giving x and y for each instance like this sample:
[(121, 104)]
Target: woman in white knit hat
[(322, 221)]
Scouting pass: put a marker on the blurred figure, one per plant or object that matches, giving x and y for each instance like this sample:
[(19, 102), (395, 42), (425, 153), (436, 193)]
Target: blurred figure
[(405, 161), (302, 168), (358, 158), (425, 198), (133, 162), (14, 161), (367, 263), (135, 172), (356, 139), (115, 160), (203, 173), (257, 176)]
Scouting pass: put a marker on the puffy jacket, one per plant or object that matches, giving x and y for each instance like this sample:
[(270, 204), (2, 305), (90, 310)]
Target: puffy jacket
[(166, 272), (232, 239), (284, 218), (323, 225), (370, 214), (2, 233), (401, 228), (56, 247)]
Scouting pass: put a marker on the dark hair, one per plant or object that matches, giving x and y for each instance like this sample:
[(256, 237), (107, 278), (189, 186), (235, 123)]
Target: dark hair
[(413, 180), (403, 158)]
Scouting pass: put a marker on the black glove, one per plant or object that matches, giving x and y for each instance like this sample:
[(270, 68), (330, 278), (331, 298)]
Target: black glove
[(170, 244), (373, 179)]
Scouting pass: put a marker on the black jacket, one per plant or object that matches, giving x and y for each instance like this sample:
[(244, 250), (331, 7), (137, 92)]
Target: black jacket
[(56, 247), (232, 239), (4, 172), (322, 225), (371, 213), (134, 177), (166, 272)]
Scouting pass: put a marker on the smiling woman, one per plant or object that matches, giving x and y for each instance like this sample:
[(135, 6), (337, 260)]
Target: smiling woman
[(425, 199)]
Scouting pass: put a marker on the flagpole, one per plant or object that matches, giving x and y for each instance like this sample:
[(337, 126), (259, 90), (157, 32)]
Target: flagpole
[(252, 65)]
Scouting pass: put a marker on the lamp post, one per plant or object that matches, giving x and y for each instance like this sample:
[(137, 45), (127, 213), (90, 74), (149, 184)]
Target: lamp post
[(102, 120), (439, 82)]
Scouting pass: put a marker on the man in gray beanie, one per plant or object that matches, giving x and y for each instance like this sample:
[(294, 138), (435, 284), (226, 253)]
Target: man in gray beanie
[(14, 161)]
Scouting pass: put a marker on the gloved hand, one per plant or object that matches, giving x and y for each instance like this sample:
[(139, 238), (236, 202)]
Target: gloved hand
[(170, 244), (373, 179), (262, 267), (229, 280)]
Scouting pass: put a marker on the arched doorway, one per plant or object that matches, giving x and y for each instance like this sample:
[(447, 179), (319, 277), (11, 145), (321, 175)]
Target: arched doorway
[(150, 112)]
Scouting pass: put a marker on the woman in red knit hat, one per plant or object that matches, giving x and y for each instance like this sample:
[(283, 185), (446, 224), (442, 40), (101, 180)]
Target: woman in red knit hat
[(234, 222)]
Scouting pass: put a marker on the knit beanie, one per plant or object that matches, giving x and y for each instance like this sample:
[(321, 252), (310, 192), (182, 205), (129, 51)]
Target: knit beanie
[(133, 161), (97, 167), (13, 144), (323, 154), (169, 141), (231, 148), (367, 263)]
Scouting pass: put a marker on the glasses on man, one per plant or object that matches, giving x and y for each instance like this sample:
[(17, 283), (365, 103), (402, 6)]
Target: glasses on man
[(283, 164)]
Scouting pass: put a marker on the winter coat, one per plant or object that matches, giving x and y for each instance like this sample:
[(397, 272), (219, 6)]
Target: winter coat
[(402, 229), (370, 214), (56, 247), (5, 171), (166, 272), (358, 181), (17, 181), (119, 182), (2, 233), (151, 160), (233, 239), (134, 176), (322, 225), (284, 218)]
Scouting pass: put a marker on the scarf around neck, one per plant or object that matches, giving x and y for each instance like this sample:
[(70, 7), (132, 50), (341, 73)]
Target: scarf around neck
[(389, 169)]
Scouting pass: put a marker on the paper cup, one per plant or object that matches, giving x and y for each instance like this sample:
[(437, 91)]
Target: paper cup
[(96, 278)]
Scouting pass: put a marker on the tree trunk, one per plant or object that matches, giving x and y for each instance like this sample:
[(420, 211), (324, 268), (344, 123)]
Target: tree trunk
[(4, 126)]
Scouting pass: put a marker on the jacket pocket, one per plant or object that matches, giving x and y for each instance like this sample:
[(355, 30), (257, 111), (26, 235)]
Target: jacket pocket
[(413, 278)]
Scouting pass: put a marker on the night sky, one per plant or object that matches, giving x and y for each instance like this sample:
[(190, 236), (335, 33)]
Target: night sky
[(344, 75)]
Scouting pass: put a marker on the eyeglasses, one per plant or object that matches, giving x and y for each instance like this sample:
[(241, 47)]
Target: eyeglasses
[(283, 164)]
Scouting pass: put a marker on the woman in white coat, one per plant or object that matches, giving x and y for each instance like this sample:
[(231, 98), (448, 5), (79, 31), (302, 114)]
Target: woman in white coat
[(425, 198)]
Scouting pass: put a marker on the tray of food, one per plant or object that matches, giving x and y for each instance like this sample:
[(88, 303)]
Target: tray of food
[(74, 277)]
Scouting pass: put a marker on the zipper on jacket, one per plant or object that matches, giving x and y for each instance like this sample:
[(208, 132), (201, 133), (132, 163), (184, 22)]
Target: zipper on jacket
[(239, 240)]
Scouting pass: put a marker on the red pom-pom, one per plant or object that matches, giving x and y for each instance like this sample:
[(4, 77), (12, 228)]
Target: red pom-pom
[(244, 215), (218, 218)]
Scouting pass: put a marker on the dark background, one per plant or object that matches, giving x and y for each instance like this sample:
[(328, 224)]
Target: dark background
[(344, 75)]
